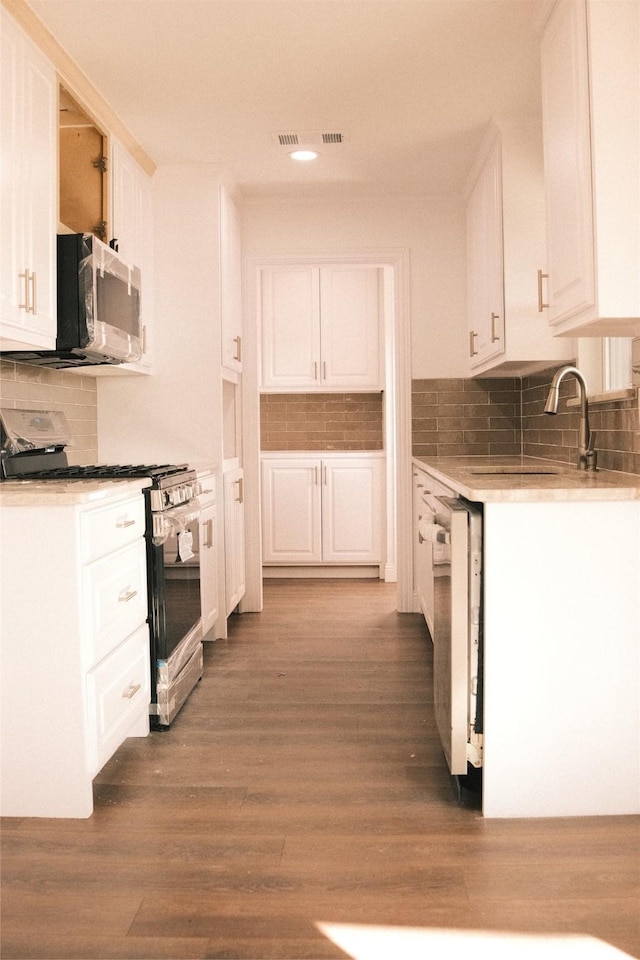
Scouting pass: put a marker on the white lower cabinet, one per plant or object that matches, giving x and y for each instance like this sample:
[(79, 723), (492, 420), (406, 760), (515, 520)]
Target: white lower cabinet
[(75, 646), (322, 509), (234, 555), (207, 553)]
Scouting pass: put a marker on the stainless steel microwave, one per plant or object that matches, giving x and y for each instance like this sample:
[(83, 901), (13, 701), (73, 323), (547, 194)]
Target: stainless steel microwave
[(98, 297)]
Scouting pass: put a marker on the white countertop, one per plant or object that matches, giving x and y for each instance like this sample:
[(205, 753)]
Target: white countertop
[(475, 479), (28, 493)]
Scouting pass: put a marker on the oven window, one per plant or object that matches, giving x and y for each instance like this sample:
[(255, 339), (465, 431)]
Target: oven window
[(181, 562)]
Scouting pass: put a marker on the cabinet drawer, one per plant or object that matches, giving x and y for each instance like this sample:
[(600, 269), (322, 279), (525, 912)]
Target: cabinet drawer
[(118, 694), (115, 595), (112, 527)]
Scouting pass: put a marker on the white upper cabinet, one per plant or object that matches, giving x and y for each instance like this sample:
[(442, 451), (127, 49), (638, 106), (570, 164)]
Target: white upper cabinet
[(230, 283), (131, 205), (320, 328), (591, 121), (485, 270), (508, 336), (28, 103)]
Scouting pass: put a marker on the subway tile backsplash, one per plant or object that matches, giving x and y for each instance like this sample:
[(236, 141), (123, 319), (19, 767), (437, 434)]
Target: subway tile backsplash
[(321, 421), (452, 418), (506, 416), (24, 386)]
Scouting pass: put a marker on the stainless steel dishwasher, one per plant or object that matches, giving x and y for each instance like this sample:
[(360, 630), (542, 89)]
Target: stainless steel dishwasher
[(457, 634)]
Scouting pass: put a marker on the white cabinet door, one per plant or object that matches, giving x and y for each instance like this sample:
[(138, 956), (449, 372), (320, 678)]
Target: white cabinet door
[(508, 335), (230, 283), (233, 486), (322, 510), (208, 567), (321, 328), (352, 510), (28, 193), (291, 511), (290, 336), (591, 120), (485, 268), (132, 229), (567, 161), (350, 327)]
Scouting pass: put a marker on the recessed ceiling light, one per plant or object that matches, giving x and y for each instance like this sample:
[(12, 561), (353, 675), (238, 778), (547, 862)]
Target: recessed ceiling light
[(303, 155)]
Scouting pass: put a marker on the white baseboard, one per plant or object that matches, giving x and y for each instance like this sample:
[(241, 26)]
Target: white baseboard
[(323, 571)]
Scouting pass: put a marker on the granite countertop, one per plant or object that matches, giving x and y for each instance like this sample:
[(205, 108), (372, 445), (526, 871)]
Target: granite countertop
[(497, 479), (37, 493)]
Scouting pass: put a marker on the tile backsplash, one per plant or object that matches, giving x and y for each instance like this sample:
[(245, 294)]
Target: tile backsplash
[(321, 421), (506, 416), (451, 417), (24, 386)]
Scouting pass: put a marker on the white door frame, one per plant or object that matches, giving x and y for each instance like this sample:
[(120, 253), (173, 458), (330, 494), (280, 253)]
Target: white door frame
[(397, 413)]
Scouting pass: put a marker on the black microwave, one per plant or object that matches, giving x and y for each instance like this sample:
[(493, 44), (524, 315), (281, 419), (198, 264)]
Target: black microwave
[(98, 297)]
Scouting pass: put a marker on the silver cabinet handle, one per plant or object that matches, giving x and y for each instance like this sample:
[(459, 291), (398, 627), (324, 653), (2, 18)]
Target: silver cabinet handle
[(541, 304), (324, 369), (125, 523), (208, 539), (494, 336), (238, 354), (472, 343), (34, 293), (128, 595), (315, 476), (240, 497), (25, 276), (315, 369), (131, 691)]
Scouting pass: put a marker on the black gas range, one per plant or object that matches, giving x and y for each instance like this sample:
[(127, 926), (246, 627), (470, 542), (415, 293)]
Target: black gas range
[(172, 544)]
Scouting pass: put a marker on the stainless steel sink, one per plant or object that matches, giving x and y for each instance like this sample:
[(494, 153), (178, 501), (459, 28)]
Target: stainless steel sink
[(516, 471)]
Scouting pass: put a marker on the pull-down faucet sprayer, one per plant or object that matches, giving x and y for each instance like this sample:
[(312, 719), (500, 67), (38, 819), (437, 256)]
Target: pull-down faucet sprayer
[(587, 455)]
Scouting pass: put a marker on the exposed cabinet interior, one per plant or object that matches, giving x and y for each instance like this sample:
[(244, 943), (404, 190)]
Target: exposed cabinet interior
[(82, 146)]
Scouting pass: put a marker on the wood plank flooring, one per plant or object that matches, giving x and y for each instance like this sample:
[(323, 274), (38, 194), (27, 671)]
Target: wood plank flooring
[(303, 782)]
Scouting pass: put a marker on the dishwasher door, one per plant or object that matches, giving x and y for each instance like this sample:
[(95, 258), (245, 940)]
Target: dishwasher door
[(457, 657)]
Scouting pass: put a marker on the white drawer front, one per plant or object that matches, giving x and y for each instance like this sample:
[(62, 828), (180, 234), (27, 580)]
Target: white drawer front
[(112, 527), (115, 594), (118, 694)]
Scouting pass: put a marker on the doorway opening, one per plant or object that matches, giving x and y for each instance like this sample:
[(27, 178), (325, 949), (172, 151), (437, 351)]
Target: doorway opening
[(396, 399)]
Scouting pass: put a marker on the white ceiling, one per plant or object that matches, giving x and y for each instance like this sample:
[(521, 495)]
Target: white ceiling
[(410, 83)]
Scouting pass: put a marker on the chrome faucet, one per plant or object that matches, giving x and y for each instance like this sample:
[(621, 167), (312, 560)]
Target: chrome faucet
[(587, 455)]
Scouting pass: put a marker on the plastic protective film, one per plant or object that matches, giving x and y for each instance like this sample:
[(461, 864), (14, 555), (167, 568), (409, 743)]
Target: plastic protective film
[(33, 430), (173, 522), (177, 675), (103, 332)]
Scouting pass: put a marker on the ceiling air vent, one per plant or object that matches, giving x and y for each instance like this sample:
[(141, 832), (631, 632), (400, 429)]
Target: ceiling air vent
[(288, 139), (306, 138)]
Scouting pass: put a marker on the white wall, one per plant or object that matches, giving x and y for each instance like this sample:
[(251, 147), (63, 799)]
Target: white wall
[(432, 229), (175, 414)]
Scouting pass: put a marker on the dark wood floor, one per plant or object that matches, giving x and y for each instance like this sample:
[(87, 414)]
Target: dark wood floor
[(303, 782)]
